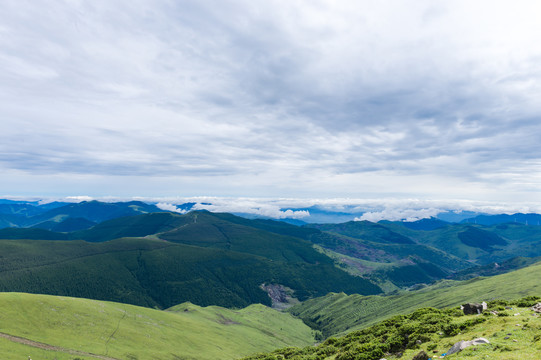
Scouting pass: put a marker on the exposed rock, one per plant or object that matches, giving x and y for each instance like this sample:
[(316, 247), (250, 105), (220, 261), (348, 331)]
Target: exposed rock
[(280, 295), (421, 356), (537, 307), (461, 345), (472, 309)]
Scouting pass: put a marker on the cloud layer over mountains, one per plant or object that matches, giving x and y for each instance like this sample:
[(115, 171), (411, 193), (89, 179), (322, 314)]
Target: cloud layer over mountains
[(428, 99)]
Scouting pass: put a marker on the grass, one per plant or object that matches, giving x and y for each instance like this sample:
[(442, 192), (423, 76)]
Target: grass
[(338, 312), (129, 332), (521, 342), (15, 351), (513, 334)]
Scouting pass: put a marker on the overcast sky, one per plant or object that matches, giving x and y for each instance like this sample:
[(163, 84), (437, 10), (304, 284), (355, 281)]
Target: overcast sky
[(302, 99)]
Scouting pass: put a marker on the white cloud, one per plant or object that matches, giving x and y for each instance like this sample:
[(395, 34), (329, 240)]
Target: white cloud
[(170, 207), (250, 206), (78, 198), (373, 209), (399, 215)]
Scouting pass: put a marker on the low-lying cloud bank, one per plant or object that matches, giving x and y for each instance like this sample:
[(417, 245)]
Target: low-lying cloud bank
[(240, 206), (254, 208), (170, 207), (310, 210)]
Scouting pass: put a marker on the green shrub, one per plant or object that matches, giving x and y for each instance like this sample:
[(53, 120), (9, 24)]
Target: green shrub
[(330, 341), (367, 351), (451, 329), (496, 304), (527, 301)]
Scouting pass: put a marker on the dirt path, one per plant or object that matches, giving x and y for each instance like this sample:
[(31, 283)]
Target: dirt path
[(43, 346)]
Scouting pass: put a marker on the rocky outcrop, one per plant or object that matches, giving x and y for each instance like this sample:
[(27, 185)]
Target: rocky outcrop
[(473, 309), (461, 345), (537, 308), (421, 356)]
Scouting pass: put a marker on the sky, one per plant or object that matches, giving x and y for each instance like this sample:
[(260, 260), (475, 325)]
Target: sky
[(426, 101)]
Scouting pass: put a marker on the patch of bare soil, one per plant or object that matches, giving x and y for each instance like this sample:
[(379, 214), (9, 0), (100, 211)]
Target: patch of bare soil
[(223, 320), (43, 346)]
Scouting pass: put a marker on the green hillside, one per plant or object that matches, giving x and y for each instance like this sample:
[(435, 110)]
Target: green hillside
[(399, 255), (278, 227), (477, 243), (157, 273), (337, 313), (390, 265), (509, 335), (129, 332), (492, 269), (132, 226), (391, 254), (365, 230), (31, 233), (212, 230), (69, 224)]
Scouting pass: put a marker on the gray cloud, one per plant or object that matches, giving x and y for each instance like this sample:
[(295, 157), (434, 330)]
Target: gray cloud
[(274, 98)]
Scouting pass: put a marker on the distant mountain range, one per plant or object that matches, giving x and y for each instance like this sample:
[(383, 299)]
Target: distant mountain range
[(519, 218), (17, 213), (66, 217)]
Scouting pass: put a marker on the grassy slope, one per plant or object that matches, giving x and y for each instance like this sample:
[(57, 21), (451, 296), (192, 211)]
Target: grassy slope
[(513, 334), (336, 313), (183, 332), (494, 330), (14, 351), (496, 268)]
